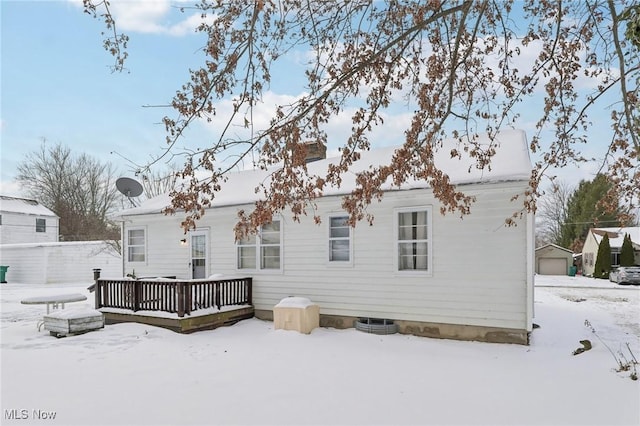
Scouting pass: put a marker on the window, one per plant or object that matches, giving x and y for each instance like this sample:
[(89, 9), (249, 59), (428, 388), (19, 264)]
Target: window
[(41, 225), (615, 258), (263, 250), (247, 253), (413, 240), (339, 239), (136, 245)]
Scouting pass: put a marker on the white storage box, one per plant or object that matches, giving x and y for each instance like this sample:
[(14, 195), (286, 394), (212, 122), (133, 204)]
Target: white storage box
[(296, 313)]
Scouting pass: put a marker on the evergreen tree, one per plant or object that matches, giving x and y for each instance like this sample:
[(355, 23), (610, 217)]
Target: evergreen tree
[(626, 253), (584, 212), (603, 260)]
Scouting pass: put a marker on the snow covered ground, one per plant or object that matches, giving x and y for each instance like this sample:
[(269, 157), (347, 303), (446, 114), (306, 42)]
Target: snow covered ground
[(131, 374)]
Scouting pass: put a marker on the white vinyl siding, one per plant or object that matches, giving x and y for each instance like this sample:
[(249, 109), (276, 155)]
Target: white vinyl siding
[(264, 249), (455, 292), (136, 245), (339, 240), (413, 239), (18, 228)]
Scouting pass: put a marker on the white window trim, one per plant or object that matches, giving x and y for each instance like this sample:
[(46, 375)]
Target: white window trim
[(339, 263), (396, 212), (258, 245), (146, 254)]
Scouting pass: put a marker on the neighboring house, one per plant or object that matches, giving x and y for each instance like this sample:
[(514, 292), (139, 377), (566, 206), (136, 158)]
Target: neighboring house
[(29, 246), (616, 237), (26, 221), (435, 275), (552, 259)]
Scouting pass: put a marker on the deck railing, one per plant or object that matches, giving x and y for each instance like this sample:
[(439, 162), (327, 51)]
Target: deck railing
[(174, 296)]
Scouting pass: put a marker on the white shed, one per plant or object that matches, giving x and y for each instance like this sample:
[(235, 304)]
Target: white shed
[(26, 221), (435, 275)]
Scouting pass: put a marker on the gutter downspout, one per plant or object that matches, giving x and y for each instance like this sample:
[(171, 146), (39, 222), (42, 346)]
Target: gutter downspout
[(531, 256), (123, 248)]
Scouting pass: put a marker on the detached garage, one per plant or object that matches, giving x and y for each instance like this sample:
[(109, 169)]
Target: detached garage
[(553, 260)]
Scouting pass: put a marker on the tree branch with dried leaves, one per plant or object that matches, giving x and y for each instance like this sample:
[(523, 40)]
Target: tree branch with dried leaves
[(459, 64)]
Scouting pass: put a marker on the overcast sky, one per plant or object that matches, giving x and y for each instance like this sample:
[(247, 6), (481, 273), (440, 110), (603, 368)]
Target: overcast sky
[(57, 85)]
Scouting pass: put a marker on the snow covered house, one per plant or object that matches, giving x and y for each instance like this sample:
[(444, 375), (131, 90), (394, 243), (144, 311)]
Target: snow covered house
[(26, 221), (616, 237), (434, 275), (29, 246)]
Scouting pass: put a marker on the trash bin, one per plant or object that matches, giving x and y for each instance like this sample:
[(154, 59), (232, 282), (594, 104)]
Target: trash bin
[(572, 271), (3, 273)]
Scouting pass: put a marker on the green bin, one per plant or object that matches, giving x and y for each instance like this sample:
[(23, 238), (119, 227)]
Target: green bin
[(3, 273), (572, 271)]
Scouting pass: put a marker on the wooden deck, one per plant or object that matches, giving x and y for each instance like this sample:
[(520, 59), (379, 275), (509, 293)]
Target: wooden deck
[(179, 305), (187, 324)]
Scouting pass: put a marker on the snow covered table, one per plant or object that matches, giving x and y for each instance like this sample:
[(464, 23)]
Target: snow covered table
[(53, 301), (296, 313), (73, 321)]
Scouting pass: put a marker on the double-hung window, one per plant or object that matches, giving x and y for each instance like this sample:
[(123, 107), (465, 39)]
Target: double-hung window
[(41, 225), (413, 239), (262, 251), (339, 240), (136, 245)]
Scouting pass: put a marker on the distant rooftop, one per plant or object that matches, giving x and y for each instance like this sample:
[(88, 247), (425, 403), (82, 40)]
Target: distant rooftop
[(24, 206)]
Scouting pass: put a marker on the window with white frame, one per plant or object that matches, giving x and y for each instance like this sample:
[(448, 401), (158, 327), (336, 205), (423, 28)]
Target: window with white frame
[(615, 258), (339, 239), (262, 251), (413, 239), (41, 225), (247, 252), (136, 245)]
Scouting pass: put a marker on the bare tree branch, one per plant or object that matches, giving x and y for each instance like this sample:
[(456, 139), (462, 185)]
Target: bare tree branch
[(454, 62)]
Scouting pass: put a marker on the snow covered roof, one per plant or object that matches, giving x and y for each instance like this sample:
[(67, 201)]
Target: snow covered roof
[(510, 163), (553, 246), (24, 206), (616, 235)]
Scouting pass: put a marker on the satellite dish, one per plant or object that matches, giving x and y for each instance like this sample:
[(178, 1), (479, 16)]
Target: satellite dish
[(129, 187)]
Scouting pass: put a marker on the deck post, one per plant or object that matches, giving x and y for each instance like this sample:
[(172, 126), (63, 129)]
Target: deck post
[(249, 286), (136, 295), (96, 287), (98, 294), (105, 294), (188, 301), (180, 290), (217, 293)]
